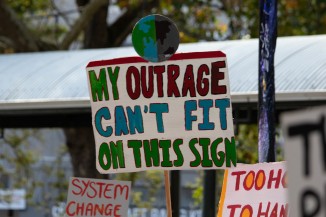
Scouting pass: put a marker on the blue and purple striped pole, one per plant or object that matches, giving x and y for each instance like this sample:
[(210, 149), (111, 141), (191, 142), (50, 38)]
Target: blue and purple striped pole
[(266, 85)]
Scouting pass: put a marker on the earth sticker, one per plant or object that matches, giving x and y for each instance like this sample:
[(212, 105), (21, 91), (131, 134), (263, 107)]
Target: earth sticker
[(155, 38)]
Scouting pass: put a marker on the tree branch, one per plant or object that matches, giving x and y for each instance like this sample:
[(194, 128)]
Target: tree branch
[(122, 27), (82, 22), (12, 27)]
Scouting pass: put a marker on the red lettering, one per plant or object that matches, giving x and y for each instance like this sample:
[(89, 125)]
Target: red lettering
[(73, 182), (85, 187), (216, 76), (276, 179), (274, 211), (68, 208), (260, 212), (202, 83), (100, 184), (173, 74), (158, 70), (107, 190), (285, 180), (140, 81), (133, 72), (80, 209), (92, 209), (98, 209), (121, 189), (189, 82), (94, 190), (116, 210), (147, 89), (233, 209), (284, 210), (248, 182), (89, 209), (237, 181), (247, 209), (260, 175), (108, 210)]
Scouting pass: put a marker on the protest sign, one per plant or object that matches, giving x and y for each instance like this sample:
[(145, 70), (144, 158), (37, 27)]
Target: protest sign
[(96, 197), (254, 190), (305, 152), (175, 114)]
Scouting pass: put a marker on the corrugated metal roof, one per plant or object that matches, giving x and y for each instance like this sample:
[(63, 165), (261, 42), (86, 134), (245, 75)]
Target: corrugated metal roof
[(58, 79)]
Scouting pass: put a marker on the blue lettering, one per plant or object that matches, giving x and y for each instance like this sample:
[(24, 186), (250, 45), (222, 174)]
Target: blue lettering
[(206, 105), (120, 122), (222, 104), (135, 120), (158, 109), (190, 106), (103, 113)]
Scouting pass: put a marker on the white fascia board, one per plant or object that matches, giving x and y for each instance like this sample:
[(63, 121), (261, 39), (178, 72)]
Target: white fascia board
[(252, 97), (84, 103), (74, 103)]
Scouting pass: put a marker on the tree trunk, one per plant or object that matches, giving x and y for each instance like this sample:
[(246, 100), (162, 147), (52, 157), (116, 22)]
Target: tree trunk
[(92, 10), (122, 27), (16, 32), (97, 32), (96, 35), (81, 146)]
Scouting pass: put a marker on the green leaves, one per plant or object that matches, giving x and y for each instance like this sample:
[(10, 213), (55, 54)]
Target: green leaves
[(247, 144), (31, 6), (21, 160)]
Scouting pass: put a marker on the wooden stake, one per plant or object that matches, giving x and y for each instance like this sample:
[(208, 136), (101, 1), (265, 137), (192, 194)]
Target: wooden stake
[(168, 193)]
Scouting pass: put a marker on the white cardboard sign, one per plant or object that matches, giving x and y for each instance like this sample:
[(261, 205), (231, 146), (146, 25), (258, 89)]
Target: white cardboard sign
[(170, 115), (254, 190), (97, 197), (305, 152)]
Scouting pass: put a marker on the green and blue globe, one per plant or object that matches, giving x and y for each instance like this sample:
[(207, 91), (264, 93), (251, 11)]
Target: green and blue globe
[(155, 38)]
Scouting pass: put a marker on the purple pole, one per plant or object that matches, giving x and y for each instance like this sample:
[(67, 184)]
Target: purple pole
[(266, 93)]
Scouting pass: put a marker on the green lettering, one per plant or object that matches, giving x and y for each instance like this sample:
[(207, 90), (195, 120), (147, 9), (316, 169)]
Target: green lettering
[(196, 162), (176, 147), (217, 161), (230, 152), (104, 151), (117, 154), (98, 85), (205, 142), (113, 78), (152, 154), (166, 145), (136, 145)]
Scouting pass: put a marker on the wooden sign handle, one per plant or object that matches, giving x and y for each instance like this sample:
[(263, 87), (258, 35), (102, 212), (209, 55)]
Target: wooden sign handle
[(168, 193)]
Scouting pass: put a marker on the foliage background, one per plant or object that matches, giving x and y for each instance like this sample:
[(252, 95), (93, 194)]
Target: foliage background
[(44, 25)]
